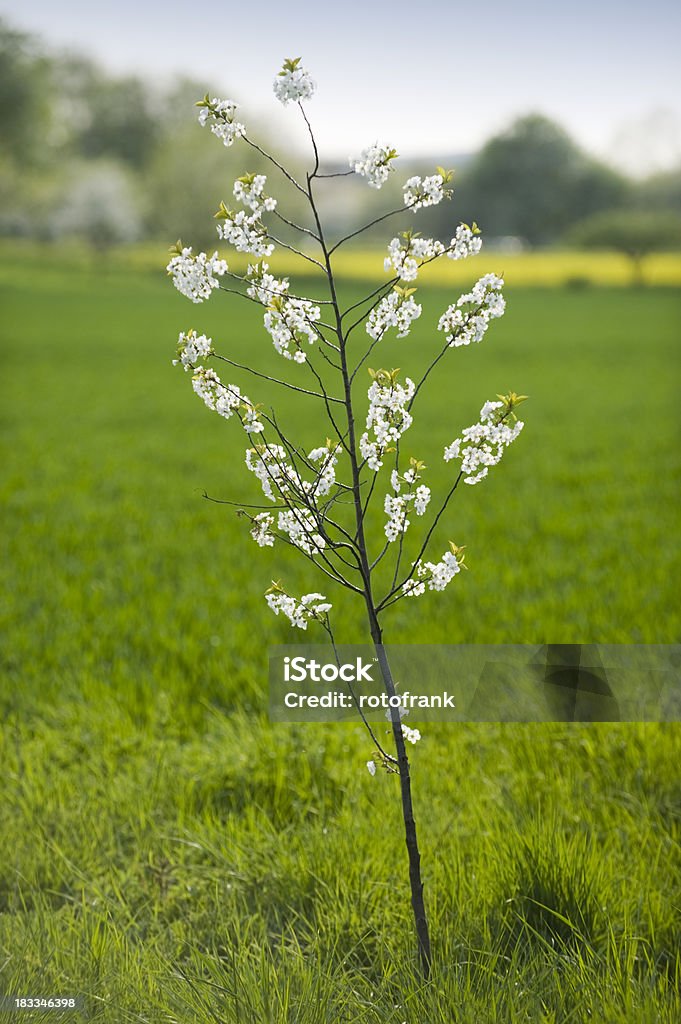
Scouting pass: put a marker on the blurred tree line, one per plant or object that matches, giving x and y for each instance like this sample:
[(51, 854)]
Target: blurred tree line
[(113, 159)]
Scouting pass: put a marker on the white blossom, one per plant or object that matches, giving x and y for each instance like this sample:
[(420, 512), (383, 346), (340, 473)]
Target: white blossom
[(371, 767), (421, 499), (299, 613), (245, 232), (433, 575), (410, 735), (373, 164), (269, 464), (250, 419), (195, 276), (290, 323), (293, 83), (327, 457), (225, 399), (300, 526), (250, 191), (265, 286), (420, 192), (406, 255), (261, 531), (191, 349), (466, 242), (483, 444), (394, 310), (397, 505), (467, 320), (387, 418), (219, 116)]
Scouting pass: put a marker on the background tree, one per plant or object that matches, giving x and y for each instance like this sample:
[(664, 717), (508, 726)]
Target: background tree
[(659, 192), (121, 121), (24, 102), (533, 181), (99, 205), (636, 233)]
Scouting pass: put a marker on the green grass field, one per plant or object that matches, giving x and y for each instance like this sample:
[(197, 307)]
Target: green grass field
[(165, 852)]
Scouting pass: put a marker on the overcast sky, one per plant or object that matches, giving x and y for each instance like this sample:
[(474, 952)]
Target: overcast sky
[(430, 77)]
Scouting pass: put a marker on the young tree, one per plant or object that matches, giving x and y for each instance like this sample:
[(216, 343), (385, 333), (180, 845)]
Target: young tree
[(319, 500)]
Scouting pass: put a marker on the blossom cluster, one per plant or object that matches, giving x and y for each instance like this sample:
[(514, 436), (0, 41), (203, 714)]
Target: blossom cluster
[(293, 83), (191, 349), (466, 242), (300, 526), (483, 444), (434, 575), (421, 192), (264, 286), (219, 116), (397, 505), (387, 417), (299, 613), (195, 275), (373, 164), (398, 309), (261, 529), (249, 190), (226, 399), (467, 320), (246, 232), (290, 323), (405, 256), (327, 457), (270, 465)]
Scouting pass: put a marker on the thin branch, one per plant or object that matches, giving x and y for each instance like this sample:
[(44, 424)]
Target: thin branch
[(275, 380), (366, 227), (268, 156), (328, 358), (296, 227), (314, 147), (366, 355), (380, 556), (240, 504), (385, 289), (367, 298), (448, 345), (249, 281), (341, 437), (371, 491), (335, 174), (298, 252)]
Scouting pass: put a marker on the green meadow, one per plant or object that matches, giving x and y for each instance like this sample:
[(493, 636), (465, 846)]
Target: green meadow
[(167, 854)]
